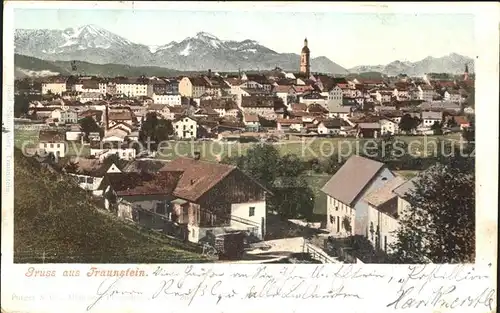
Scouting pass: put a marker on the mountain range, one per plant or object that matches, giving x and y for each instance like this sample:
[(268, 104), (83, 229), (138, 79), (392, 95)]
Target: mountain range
[(95, 45), (452, 64), (204, 51)]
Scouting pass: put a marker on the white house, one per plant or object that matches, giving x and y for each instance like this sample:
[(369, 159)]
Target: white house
[(51, 141), (185, 127), (74, 133), (55, 86), (168, 99), (429, 118), (330, 127), (115, 135), (335, 96), (90, 173), (132, 87), (383, 217), (347, 213), (343, 112), (101, 150), (69, 116), (89, 97), (388, 126)]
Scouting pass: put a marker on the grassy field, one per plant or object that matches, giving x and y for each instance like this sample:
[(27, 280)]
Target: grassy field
[(420, 146), (306, 149)]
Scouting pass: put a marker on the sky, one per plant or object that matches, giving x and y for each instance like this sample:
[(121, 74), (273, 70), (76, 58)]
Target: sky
[(345, 38)]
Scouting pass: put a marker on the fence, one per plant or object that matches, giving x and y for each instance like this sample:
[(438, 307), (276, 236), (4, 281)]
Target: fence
[(318, 254)]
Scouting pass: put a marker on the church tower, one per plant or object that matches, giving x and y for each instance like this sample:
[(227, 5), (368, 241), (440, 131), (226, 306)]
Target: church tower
[(466, 73), (305, 65)]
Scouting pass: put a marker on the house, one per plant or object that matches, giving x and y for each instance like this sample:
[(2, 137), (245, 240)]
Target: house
[(429, 119), (89, 172), (330, 127), (54, 85), (115, 135), (118, 116), (167, 98), (251, 121), (103, 149), (162, 110), (192, 87), (292, 124), (69, 116), (142, 197), (388, 126), (74, 133), (347, 213), (85, 97), (440, 106), (383, 215), (52, 141), (334, 97), (185, 127), (259, 105), (218, 198), (426, 92), (338, 111), (132, 87), (156, 86), (285, 93), (311, 98), (368, 129)]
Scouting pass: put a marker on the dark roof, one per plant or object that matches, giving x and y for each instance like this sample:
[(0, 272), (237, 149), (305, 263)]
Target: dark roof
[(332, 123), (351, 179), (87, 167), (258, 101), (143, 183), (51, 136)]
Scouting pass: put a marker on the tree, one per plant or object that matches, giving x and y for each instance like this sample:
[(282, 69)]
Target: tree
[(437, 128), (439, 226), (89, 125), (155, 129), (346, 223), (408, 123)]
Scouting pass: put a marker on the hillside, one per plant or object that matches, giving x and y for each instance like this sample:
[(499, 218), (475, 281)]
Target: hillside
[(30, 66), (55, 222)]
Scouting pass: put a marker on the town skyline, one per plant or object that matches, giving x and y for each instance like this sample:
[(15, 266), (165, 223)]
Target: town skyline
[(408, 28)]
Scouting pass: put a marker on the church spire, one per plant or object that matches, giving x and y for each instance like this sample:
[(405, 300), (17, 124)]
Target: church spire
[(305, 42)]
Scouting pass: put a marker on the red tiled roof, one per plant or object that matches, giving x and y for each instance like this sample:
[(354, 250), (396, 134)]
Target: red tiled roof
[(198, 176), (289, 121), (299, 107), (251, 118)]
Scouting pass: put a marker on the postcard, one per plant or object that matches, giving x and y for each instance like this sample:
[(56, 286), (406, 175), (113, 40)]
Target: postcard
[(187, 156)]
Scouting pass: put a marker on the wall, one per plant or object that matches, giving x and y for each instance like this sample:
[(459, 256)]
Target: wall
[(186, 124), (59, 149), (240, 212), (387, 227), (55, 88), (361, 207), (336, 211), (96, 182), (127, 154)]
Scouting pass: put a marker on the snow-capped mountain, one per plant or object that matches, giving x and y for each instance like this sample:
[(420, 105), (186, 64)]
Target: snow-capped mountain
[(452, 63), (203, 51)]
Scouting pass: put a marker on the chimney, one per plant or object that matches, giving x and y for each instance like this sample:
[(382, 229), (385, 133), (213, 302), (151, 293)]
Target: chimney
[(209, 73), (196, 155)]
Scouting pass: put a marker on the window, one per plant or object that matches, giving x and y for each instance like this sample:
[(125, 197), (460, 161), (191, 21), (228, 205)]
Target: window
[(251, 211), (57, 145), (90, 180), (81, 179), (52, 145), (332, 219), (336, 208)]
